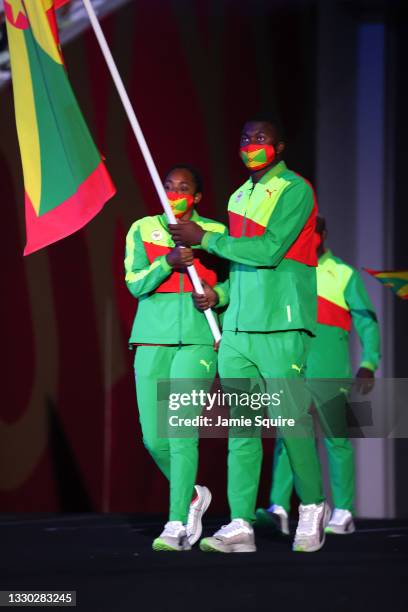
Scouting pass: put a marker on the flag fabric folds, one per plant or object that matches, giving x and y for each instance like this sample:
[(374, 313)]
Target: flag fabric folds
[(66, 183), (397, 280)]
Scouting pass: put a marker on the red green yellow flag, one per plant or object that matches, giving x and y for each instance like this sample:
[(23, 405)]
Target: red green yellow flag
[(66, 183), (397, 280)]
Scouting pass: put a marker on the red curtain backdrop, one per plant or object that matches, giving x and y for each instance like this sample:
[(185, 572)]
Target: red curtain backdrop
[(194, 71)]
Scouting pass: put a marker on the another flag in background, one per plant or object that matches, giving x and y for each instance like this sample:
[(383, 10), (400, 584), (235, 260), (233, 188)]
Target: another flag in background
[(66, 183), (397, 280)]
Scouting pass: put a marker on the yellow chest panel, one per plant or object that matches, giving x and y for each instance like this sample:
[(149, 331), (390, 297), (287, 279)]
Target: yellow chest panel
[(332, 279)]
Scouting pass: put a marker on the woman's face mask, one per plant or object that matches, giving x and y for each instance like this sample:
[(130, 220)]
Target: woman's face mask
[(180, 202)]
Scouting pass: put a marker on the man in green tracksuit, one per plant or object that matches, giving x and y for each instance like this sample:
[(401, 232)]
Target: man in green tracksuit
[(269, 322), (173, 342), (342, 299)]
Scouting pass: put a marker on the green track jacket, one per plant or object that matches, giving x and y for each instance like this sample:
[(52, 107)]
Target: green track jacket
[(166, 313), (342, 299), (272, 282)]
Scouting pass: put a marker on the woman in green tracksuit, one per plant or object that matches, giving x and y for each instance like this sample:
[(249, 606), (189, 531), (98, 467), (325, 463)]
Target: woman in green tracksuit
[(173, 341), (342, 300)]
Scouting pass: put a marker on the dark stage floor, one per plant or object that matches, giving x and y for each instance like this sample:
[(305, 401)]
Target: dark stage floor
[(108, 560)]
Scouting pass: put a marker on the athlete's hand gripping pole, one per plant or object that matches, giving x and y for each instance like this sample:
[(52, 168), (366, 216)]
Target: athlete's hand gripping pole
[(145, 150)]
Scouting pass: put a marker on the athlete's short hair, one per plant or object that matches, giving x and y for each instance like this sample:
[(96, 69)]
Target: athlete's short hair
[(198, 180), (320, 224), (272, 119)]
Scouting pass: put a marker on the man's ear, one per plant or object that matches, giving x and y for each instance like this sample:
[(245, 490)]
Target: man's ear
[(198, 197), (280, 147)]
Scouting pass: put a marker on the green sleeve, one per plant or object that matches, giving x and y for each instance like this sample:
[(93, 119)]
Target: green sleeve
[(142, 276), (364, 320), (285, 225), (223, 291)]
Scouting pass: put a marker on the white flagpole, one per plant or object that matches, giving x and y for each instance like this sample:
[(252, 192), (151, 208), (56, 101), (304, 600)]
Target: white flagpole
[(145, 150)]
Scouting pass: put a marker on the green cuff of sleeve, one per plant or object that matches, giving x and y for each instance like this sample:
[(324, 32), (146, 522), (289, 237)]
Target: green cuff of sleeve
[(222, 298), (368, 365), (165, 264), (206, 239)]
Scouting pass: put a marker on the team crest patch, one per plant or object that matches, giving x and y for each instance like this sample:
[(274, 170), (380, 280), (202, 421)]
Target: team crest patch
[(239, 196), (157, 235)]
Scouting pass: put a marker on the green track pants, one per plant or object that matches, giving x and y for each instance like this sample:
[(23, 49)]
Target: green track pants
[(328, 358), (278, 355), (176, 457)]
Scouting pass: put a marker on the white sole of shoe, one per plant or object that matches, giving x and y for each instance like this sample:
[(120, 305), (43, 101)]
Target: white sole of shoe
[(310, 550), (207, 546), (337, 530), (161, 545)]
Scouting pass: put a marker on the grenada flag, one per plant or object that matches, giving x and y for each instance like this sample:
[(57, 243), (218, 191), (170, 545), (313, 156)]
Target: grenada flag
[(66, 183), (397, 280)]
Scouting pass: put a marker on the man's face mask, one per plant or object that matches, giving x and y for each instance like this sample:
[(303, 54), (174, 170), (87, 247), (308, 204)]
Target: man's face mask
[(180, 202), (256, 157)]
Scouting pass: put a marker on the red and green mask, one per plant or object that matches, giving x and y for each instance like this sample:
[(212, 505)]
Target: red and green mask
[(256, 157), (180, 202)]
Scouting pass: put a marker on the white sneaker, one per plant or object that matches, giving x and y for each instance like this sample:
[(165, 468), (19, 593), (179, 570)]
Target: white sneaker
[(237, 536), (198, 507), (172, 538), (341, 522), (310, 532)]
